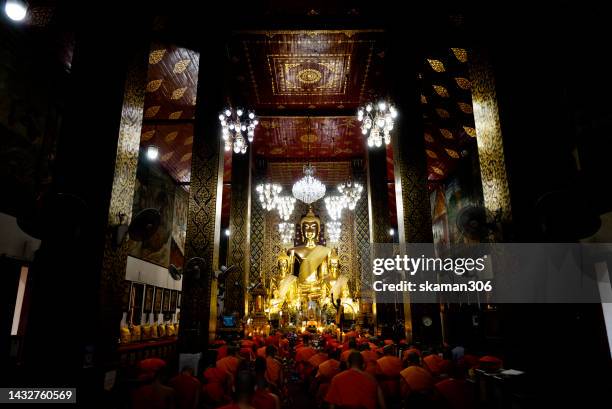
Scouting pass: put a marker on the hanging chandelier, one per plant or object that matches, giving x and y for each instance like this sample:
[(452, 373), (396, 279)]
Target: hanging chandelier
[(268, 194), (333, 231), (377, 122), (287, 232), (285, 206), (308, 189), (334, 206), (233, 126), (351, 192)]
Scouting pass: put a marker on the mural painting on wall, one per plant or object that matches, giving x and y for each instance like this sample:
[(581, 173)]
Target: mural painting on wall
[(447, 200), (154, 189)]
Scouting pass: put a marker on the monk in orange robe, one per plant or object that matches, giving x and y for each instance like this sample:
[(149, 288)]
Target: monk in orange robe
[(274, 369), (411, 350), (354, 388), (388, 370), (432, 363), (217, 383), (230, 363), (415, 379), (187, 389), (369, 357), (153, 394), (351, 347)]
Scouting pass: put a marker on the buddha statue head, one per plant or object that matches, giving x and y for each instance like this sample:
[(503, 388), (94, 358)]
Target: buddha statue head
[(283, 264), (310, 226)]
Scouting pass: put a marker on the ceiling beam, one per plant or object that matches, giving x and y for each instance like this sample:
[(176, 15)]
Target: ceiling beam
[(305, 112)]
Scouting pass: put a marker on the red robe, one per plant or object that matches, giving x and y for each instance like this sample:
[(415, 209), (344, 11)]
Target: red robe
[(353, 388), (186, 388)]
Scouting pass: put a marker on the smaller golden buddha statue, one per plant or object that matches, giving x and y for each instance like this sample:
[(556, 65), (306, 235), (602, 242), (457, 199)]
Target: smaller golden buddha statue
[(334, 264), (287, 282)]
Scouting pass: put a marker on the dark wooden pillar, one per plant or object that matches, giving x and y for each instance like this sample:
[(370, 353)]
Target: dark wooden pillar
[(77, 276), (204, 220), (239, 244)]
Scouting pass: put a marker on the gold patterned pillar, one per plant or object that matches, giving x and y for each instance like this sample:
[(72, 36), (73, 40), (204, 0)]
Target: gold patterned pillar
[(239, 241), (197, 325), (362, 247), (489, 137)]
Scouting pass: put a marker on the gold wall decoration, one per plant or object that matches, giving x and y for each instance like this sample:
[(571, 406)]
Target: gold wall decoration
[(431, 154), (442, 91), (436, 65), (170, 136), (463, 83), (423, 99), (428, 137), (470, 131), (181, 66), (166, 156), (452, 153), (154, 85), (186, 157), (489, 137), (442, 113), (147, 135), (175, 115), (188, 141), (446, 133), (178, 93), (460, 54), (465, 108), (152, 111), (156, 56)]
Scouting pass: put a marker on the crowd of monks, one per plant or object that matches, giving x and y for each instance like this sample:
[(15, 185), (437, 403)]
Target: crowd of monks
[(360, 373)]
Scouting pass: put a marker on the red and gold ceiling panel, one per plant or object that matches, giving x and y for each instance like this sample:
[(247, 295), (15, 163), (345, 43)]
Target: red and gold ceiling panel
[(330, 173), (174, 142), (307, 69), (171, 83), (446, 103), (301, 138)]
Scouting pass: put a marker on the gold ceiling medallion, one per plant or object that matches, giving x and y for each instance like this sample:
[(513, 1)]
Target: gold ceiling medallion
[(156, 56), (437, 170), (188, 141), (470, 131), (178, 93), (442, 91), (309, 76), (154, 85), (429, 138), (175, 115), (165, 157), (452, 153), (442, 113), (463, 83), (148, 135), (446, 133), (436, 65), (460, 54), (171, 136), (309, 138), (465, 108), (431, 154), (152, 111), (181, 66), (186, 157)]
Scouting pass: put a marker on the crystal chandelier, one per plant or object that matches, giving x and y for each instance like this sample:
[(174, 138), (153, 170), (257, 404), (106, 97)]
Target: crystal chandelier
[(333, 231), (351, 191), (377, 122), (308, 189), (268, 194), (334, 206), (232, 127), (285, 206), (287, 232)]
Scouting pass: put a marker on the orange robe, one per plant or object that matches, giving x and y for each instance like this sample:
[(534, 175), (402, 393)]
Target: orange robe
[(214, 390), (417, 378), (370, 358), (388, 370), (304, 354), (432, 364), (273, 371), (186, 388), (262, 399), (261, 352), (456, 393), (353, 388), (229, 364), (329, 369), (410, 351), (345, 355)]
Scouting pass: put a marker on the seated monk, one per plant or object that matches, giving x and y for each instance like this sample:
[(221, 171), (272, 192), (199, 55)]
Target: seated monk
[(432, 363), (217, 383), (352, 347), (454, 392), (263, 397), (411, 350), (369, 357), (415, 379), (261, 351), (388, 370), (230, 363), (245, 389), (187, 388), (354, 388), (153, 394), (274, 369)]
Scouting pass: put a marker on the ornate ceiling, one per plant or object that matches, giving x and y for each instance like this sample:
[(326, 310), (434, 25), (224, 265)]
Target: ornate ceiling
[(301, 138), (306, 69), (446, 102)]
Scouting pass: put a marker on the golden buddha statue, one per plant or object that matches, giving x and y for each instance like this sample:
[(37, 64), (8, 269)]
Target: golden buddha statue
[(334, 262), (313, 259), (287, 282)]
